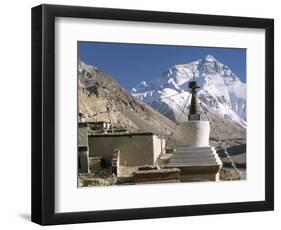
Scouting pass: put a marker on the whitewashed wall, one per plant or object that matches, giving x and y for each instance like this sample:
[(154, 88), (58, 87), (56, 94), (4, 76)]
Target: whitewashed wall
[(134, 149)]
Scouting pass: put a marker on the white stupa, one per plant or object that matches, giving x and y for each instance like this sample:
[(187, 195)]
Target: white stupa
[(196, 159)]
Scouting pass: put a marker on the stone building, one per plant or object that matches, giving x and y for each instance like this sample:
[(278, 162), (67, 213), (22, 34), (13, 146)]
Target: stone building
[(83, 154), (136, 149), (101, 126)]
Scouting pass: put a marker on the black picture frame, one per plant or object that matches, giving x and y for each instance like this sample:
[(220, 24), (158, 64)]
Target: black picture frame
[(43, 114)]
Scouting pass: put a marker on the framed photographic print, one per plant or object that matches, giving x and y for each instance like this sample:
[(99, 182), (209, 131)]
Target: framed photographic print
[(143, 114)]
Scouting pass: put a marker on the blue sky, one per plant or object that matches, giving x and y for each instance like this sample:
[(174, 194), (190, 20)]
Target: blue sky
[(129, 64)]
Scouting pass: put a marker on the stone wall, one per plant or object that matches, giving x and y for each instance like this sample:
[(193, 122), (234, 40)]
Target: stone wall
[(82, 134), (135, 149)]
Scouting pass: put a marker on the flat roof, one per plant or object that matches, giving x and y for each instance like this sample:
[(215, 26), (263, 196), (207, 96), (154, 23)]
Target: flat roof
[(82, 124), (97, 122), (122, 134), (92, 122)]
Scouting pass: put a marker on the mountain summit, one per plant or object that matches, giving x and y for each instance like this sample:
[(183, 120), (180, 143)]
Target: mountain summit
[(210, 58), (222, 92)]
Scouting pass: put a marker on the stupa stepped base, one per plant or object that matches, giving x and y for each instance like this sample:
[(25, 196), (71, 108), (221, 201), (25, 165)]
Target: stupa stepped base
[(196, 163)]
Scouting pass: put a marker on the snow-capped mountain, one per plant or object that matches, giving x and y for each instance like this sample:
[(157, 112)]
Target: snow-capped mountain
[(221, 90)]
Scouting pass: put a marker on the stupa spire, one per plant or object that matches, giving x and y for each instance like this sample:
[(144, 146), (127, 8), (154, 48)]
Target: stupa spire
[(194, 110)]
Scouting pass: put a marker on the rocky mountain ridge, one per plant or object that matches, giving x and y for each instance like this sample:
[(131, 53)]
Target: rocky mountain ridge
[(221, 92)]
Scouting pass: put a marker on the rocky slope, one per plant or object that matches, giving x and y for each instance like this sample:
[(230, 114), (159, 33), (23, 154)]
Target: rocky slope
[(100, 98)]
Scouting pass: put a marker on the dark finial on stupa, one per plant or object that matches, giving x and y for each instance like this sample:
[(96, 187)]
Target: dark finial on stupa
[(194, 110)]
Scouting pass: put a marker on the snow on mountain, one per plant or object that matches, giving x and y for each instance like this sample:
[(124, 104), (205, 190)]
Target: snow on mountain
[(221, 90)]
